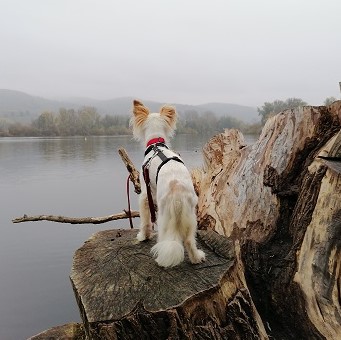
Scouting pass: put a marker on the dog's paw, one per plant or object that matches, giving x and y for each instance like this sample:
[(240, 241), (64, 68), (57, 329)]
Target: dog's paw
[(141, 236), (199, 257)]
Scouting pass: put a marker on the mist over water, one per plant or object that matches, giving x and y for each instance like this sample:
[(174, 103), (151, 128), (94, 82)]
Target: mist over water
[(58, 176)]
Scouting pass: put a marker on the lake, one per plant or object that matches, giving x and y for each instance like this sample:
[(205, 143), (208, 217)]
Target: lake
[(74, 177)]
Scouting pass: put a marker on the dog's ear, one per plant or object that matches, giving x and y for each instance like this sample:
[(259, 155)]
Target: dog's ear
[(140, 112), (169, 114)]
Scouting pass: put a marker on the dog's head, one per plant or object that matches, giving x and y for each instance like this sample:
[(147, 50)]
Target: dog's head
[(148, 125)]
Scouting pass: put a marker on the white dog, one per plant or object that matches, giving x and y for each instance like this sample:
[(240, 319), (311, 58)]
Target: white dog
[(170, 187)]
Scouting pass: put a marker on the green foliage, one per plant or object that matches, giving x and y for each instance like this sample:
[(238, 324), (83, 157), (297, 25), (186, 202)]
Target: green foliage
[(115, 125), (270, 109), (4, 125), (21, 130), (87, 121), (67, 122), (46, 124), (252, 129), (329, 101), (227, 122), (206, 124)]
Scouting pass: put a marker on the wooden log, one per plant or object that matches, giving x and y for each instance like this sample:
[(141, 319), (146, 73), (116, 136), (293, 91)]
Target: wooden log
[(282, 203), (123, 294), (335, 150), (70, 331), (318, 272), (76, 220)]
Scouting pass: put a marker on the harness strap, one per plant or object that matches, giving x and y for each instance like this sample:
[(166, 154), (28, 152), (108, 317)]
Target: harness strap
[(145, 169), (160, 154), (153, 146), (164, 161)]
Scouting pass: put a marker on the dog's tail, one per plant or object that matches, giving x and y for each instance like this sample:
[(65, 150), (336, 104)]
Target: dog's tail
[(168, 253), (176, 221)]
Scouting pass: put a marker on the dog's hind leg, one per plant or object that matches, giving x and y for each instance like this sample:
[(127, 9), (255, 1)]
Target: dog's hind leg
[(145, 220), (195, 255)]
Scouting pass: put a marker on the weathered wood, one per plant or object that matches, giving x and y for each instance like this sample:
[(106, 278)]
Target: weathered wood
[(123, 294), (282, 203), (76, 220), (318, 272), (134, 174), (70, 331), (335, 150)]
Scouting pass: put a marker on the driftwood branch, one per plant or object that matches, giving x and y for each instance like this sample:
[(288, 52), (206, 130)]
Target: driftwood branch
[(135, 179), (134, 174), (76, 220)]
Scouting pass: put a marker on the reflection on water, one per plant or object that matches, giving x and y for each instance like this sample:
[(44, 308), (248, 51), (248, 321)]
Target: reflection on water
[(60, 176), (77, 148)]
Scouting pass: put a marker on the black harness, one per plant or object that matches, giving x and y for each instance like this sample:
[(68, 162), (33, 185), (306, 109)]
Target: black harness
[(145, 169)]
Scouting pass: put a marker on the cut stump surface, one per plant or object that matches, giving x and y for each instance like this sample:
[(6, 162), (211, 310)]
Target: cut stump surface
[(113, 272), (117, 282)]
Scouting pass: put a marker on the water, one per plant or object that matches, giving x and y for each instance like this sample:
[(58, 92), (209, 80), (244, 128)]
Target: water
[(58, 176)]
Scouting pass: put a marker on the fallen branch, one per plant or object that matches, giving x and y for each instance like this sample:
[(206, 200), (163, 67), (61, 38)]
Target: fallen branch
[(135, 179), (134, 174), (75, 220)]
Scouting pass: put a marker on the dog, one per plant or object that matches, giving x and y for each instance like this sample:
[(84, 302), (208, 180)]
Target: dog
[(170, 187)]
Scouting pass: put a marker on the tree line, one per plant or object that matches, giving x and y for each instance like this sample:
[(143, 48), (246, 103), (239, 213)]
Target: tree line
[(69, 122), (87, 121), (270, 109)]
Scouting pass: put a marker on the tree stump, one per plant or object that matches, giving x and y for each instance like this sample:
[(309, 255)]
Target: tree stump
[(123, 294), (282, 202)]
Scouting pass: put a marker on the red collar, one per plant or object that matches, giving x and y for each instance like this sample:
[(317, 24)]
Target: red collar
[(155, 140)]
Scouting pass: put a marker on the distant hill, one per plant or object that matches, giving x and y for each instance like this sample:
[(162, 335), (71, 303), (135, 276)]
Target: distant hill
[(124, 105), (22, 107), (245, 113)]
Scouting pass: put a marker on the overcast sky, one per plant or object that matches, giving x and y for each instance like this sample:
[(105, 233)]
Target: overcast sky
[(175, 51)]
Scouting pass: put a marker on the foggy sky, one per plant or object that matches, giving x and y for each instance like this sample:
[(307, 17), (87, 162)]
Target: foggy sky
[(175, 51)]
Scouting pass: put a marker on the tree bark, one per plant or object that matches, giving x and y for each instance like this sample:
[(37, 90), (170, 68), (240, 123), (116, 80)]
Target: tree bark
[(282, 203)]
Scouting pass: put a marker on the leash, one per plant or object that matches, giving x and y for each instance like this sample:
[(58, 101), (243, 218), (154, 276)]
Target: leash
[(146, 177), (129, 209)]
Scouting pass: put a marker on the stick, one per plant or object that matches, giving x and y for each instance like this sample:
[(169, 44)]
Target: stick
[(76, 220), (134, 174), (135, 179)]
